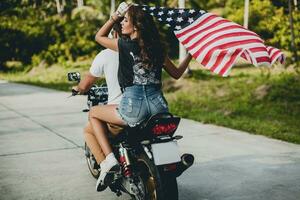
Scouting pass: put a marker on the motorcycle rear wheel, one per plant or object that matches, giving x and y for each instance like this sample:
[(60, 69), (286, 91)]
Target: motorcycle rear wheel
[(170, 187), (150, 177), (91, 162)]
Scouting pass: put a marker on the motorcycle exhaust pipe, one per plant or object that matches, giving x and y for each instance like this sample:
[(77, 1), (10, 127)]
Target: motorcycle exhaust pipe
[(187, 160)]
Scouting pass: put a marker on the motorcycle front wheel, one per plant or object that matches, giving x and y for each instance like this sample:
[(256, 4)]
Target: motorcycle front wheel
[(150, 176), (91, 162)]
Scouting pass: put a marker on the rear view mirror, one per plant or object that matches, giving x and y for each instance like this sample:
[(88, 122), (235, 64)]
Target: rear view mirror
[(74, 76)]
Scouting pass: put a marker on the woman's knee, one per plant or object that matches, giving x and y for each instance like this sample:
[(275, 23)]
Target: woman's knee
[(93, 112), (88, 129)]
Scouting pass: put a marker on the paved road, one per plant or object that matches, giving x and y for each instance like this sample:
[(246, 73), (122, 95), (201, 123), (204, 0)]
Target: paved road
[(41, 155)]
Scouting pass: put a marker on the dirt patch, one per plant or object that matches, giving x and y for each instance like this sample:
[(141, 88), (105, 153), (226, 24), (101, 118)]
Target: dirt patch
[(261, 91), (170, 86), (221, 92)]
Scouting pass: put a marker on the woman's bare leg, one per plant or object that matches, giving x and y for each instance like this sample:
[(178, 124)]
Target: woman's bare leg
[(93, 144), (99, 115)]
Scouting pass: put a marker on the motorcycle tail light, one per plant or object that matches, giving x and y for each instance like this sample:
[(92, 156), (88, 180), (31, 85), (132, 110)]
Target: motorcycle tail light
[(164, 129)]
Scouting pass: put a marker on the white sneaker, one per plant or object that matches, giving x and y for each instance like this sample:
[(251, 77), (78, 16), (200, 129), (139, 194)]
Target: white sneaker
[(99, 185), (108, 170)]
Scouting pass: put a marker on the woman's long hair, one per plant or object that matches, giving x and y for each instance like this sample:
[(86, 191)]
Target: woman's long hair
[(152, 49)]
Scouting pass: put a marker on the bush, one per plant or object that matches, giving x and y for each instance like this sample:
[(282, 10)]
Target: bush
[(267, 19), (32, 36)]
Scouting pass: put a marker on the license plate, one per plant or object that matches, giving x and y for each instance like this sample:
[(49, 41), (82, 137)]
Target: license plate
[(165, 153)]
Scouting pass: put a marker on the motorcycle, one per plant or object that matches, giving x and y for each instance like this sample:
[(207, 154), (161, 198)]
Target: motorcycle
[(148, 153)]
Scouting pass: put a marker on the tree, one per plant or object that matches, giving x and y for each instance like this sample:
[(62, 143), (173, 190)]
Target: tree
[(60, 6), (79, 3)]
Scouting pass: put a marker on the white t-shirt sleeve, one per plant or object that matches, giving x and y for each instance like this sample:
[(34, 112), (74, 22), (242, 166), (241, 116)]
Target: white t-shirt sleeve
[(97, 68)]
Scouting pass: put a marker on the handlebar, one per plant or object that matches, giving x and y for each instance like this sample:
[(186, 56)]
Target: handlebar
[(95, 95), (74, 92)]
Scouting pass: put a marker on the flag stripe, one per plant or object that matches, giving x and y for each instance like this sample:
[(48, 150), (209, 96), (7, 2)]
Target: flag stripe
[(205, 20), (202, 30), (223, 36), (228, 65), (276, 54), (219, 60), (224, 62), (231, 27), (258, 49), (242, 46), (263, 59), (224, 46)]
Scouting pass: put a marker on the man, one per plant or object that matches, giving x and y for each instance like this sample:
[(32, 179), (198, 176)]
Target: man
[(107, 63)]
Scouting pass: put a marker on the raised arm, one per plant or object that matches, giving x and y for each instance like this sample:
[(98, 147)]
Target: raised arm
[(101, 36), (175, 72)]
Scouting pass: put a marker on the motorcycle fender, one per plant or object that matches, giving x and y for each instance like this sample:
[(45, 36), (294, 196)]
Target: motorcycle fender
[(165, 153)]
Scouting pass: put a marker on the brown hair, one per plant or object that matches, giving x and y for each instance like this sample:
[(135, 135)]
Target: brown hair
[(152, 49), (117, 28)]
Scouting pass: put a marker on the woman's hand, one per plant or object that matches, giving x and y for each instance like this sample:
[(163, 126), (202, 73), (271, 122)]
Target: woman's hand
[(122, 9), (102, 35), (175, 72)]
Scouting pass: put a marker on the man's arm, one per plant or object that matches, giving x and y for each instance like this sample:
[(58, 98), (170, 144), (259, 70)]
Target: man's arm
[(85, 84), (175, 72)]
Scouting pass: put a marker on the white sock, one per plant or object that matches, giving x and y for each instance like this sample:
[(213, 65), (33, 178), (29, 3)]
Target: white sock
[(102, 164), (111, 160)]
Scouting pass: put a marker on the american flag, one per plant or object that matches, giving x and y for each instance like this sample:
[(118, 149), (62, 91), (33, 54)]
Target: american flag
[(215, 42)]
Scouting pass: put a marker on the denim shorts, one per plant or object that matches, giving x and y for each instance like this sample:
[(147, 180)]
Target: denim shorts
[(139, 102)]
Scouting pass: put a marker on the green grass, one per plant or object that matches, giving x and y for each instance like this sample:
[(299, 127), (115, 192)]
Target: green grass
[(257, 100), (265, 104), (54, 77)]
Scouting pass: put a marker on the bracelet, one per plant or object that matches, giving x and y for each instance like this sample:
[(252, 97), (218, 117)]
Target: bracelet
[(112, 18)]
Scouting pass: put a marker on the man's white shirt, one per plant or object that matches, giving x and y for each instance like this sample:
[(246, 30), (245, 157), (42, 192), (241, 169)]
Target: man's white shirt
[(107, 63)]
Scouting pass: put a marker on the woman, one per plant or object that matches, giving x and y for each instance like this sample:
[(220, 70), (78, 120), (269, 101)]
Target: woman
[(141, 59)]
